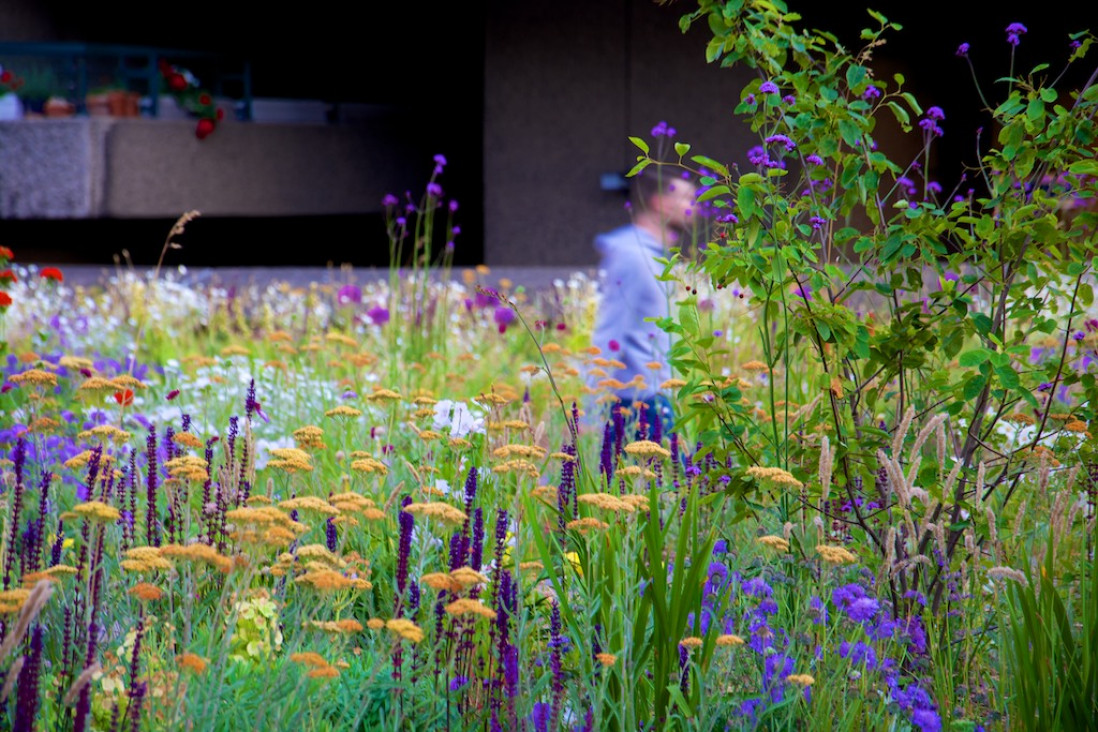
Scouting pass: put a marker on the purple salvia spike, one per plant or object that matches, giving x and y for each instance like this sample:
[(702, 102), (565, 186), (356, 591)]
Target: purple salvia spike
[(19, 459), (407, 523), (13, 532), (26, 696), (606, 455), (477, 549), (555, 667), (152, 529), (618, 417)]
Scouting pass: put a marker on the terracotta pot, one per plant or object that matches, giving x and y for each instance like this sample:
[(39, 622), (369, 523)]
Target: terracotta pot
[(123, 103), (58, 107), (97, 105)]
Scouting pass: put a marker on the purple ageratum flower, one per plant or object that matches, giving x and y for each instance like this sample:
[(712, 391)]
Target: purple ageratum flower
[(728, 218), (378, 314), (749, 99), (453, 206), (931, 126), (349, 294), (962, 50), (781, 140), (663, 130), (1014, 33), (769, 87), (757, 156), (757, 587), (936, 114), (503, 316), (934, 187)]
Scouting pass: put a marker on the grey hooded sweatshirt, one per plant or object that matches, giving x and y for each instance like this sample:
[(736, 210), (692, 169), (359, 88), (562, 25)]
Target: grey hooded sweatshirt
[(630, 291)]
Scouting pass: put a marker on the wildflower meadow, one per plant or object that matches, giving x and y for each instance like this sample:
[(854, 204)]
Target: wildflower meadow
[(412, 504)]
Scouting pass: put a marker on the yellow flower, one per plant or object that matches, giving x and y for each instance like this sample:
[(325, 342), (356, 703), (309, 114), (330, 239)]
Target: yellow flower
[(606, 659), (801, 679), (691, 642), (467, 577), (197, 552), (729, 640), (309, 503), (405, 629), (443, 511), (647, 448), (187, 439), (192, 662), (36, 377), (774, 475), (343, 410), (309, 658), (835, 554), (583, 525), (467, 605), (97, 511), (146, 592), (369, 465), (574, 559), (775, 542)]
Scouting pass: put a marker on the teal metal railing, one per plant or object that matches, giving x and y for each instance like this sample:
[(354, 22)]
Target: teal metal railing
[(73, 70)]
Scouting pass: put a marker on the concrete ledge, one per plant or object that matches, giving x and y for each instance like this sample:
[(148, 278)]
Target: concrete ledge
[(136, 168)]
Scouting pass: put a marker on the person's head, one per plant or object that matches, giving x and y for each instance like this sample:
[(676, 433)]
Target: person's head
[(663, 196)]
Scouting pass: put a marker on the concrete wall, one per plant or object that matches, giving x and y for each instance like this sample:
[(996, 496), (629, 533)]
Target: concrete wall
[(566, 84), (140, 168)]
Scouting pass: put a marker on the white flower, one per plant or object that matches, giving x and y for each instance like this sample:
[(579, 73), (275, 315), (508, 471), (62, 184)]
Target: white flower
[(457, 418)]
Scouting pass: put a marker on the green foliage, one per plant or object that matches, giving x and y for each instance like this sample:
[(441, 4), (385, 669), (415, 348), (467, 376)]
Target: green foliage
[(879, 295), (1051, 635)]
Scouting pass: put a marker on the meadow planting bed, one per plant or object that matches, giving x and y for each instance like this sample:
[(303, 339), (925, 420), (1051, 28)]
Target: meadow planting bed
[(411, 504)]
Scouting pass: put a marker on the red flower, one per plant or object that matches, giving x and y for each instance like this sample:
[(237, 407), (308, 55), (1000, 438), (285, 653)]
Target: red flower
[(124, 397), (176, 82), (204, 128), (204, 99), (220, 114), (8, 275), (52, 273), (6, 253), (5, 299), (5, 76), (173, 394)]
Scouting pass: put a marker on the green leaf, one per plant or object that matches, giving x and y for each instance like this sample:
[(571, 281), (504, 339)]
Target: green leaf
[(713, 192), (745, 200), (644, 162), (681, 148), (1008, 377), (1084, 167), (712, 164), (973, 357), (640, 143)]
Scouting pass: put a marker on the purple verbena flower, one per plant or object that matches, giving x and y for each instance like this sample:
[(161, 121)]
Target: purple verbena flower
[(1014, 33), (769, 87), (962, 50)]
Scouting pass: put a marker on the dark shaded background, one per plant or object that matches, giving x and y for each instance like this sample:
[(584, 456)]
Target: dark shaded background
[(426, 59)]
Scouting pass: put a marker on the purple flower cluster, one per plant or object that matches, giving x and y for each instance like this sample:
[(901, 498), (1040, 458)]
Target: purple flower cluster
[(1014, 33)]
